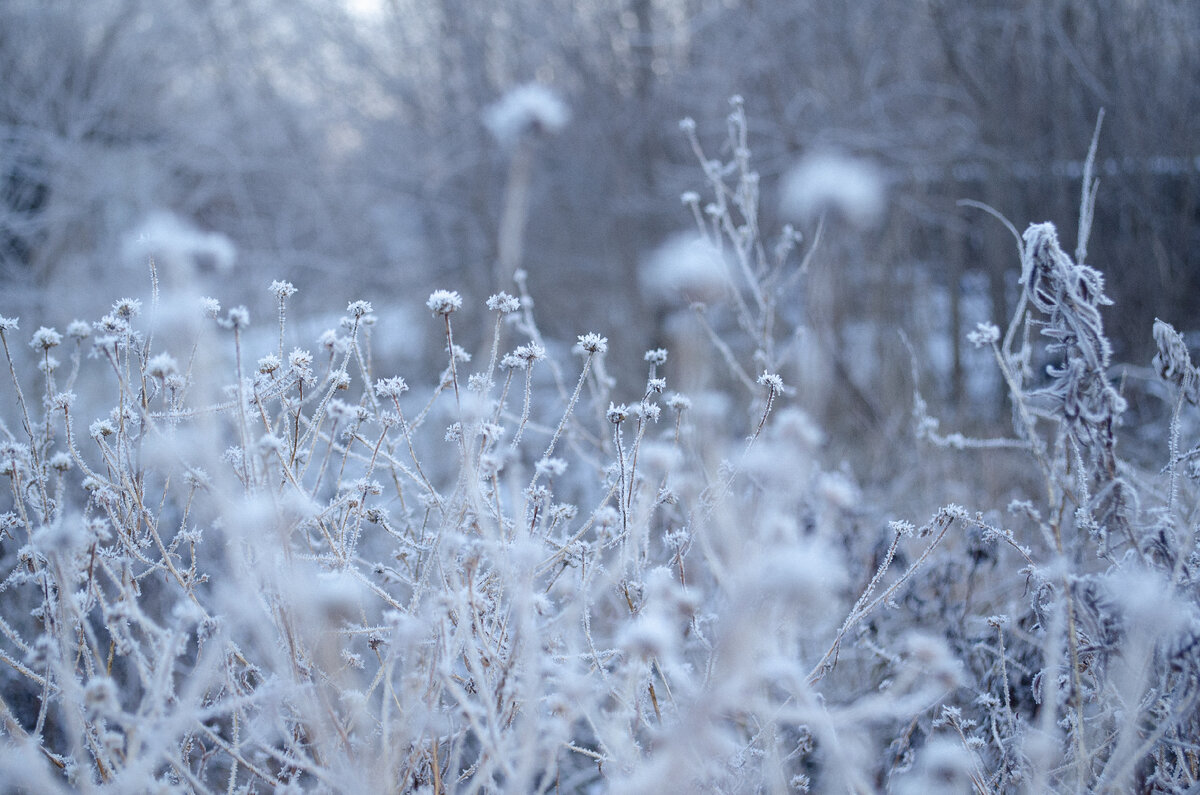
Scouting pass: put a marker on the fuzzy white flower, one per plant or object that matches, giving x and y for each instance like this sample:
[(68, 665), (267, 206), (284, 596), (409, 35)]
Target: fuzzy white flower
[(530, 108), (503, 303), (593, 343), (45, 338), (443, 302), (282, 290), (984, 334), (822, 181)]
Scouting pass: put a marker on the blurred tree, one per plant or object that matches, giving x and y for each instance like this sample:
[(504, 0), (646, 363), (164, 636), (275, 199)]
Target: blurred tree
[(325, 141)]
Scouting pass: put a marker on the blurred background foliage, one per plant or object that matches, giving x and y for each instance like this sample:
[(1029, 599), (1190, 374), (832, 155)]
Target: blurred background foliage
[(342, 147)]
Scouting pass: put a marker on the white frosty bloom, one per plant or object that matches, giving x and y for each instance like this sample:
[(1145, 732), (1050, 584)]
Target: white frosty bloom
[(443, 302), (359, 308), (686, 268), (390, 387), (593, 343), (984, 334), (282, 290), (830, 181), (530, 108), (771, 381), (504, 303), (162, 365), (45, 339), (168, 238)]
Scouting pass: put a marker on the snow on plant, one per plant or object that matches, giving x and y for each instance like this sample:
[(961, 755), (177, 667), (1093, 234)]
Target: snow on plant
[(259, 570), (527, 108), (828, 180)]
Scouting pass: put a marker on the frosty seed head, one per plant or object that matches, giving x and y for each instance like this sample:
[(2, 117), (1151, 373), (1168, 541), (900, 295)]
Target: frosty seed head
[(503, 303), (530, 353), (78, 330), (527, 109), (101, 428), (551, 467), (443, 302), (358, 309), (771, 381), (162, 365), (127, 308), (984, 334), (237, 319), (593, 343), (647, 411), (617, 414), (678, 402), (45, 338), (8, 323), (269, 364), (282, 290), (658, 356), (112, 325), (828, 180), (391, 388)]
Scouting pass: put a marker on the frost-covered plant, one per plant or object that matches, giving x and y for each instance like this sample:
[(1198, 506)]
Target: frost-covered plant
[(1089, 681), (225, 567)]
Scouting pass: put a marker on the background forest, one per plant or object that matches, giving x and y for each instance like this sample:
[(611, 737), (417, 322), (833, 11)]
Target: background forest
[(349, 148), (712, 316)]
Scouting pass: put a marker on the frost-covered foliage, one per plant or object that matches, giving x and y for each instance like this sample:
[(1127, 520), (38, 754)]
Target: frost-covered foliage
[(233, 565)]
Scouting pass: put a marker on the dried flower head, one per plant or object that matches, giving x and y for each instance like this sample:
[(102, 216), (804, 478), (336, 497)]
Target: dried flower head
[(237, 318), (127, 308), (282, 290), (658, 356), (530, 353), (526, 109), (269, 364), (984, 334), (593, 343), (111, 324), (443, 302), (503, 303), (300, 365), (392, 387), (551, 467), (358, 309), (771, 381), (162, 365), (678, 402), (45, 338)]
